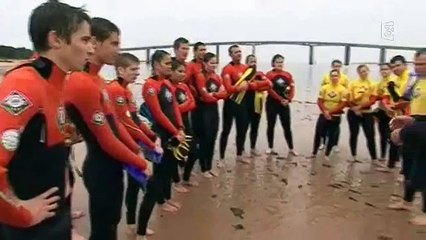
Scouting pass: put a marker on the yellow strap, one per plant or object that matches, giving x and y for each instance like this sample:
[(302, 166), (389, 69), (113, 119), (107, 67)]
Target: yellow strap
[(238, 97), (258, 102)]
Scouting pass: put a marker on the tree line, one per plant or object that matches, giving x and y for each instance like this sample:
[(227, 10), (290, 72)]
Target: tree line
[(8, 52)]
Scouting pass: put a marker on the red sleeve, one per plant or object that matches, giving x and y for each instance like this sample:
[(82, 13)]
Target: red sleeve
[(259, 85), (81, 93), (385, 100), (292, 88), (227, 81), (150, 94), (320, 103), (13, 119), (134, 115), (119, 100), (200, 83), (189, 104)]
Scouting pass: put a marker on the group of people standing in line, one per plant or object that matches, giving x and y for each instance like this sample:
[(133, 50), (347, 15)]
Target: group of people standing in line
[(58, 99)]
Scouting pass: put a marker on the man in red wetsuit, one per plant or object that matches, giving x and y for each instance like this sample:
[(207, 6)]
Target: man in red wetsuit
[(230, 75), (127, 69), (108, 143), (34, 173)]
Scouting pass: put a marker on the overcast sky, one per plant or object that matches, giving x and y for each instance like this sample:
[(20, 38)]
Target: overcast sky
[(157, 22)]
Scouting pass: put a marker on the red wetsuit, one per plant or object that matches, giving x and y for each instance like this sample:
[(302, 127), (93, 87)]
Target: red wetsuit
[(89, 107), (33, 156), (125, 108), (282, 85), (192, 69), (159, 98), (208, 85), (231, 74), (185, 100)]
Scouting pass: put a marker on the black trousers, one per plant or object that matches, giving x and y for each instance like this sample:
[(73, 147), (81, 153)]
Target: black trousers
[(414, 168), (163, 173), (253, 118), (105, 186), (210, 119), (384, 131), (57, 227), (233, 110), (366, 120), (274, 109), (328, 128)]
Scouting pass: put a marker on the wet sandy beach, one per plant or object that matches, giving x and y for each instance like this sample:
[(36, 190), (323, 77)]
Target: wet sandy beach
[(274, 199)]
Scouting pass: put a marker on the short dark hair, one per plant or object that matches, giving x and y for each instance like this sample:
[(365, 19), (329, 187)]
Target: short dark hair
[(158, 56), (176, 64), (103, 28), (180, 41), (232, 47), (208, 56), (420, 52), (249, 56), (197, 45), (276, 57), (385, 64), (336, 61), (362, 66), (125, 60), (398, 58), (54, 16)]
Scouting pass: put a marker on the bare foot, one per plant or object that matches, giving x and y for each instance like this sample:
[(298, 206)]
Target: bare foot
[(131, 232), (207, 175), (180, 189), (191, 183), (242, 160), (76, 236), (168, 208), (419, 220), (177, 205), (77, 214), (384, 169), (221, 164), (214, 173), (149, 232), (402, 206)]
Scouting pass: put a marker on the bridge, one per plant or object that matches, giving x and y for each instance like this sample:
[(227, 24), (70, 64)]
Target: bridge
[(310, 45)]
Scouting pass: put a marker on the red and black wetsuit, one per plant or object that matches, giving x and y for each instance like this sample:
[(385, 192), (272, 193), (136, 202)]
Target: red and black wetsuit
[(230, 75), (126, 109), (159, 98), (108, 147), (33, 156), (208, 85), (282, 89), (258, 85), (186, 103)]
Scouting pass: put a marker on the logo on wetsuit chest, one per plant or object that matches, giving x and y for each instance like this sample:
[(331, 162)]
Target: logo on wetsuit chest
[(10, 139), (16, 103), (332, 94), (98, 118), (168, 95), (212, 87), (181, 97), (120, 100), (61, 118), (281, 82)]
